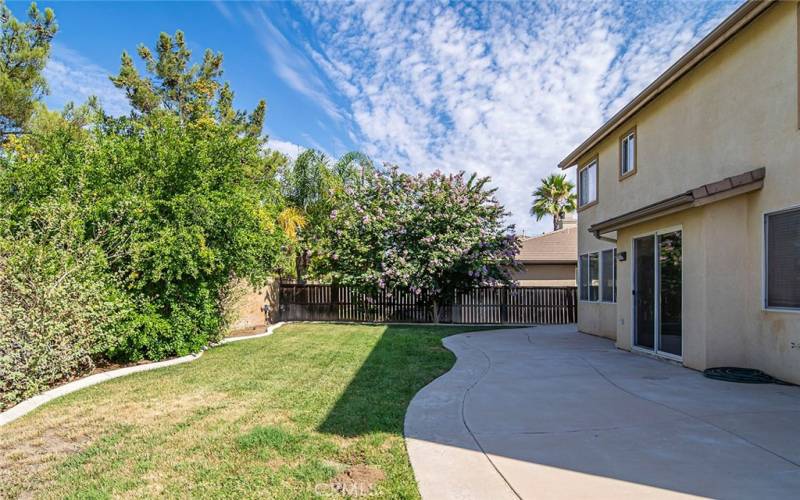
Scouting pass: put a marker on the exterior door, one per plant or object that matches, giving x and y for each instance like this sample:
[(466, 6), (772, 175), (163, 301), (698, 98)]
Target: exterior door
[(657, 293)]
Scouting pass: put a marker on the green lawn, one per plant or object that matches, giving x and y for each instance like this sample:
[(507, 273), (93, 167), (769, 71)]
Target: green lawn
[(312, 410)]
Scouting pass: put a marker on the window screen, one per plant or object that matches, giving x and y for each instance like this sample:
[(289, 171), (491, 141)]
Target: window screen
[(587, 184), (594, 277), (628, 152), (609, 280), (583, 282), (783, 259)]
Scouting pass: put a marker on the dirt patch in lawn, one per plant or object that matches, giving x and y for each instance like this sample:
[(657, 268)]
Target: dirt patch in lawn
[(23, 460), (358, 480)]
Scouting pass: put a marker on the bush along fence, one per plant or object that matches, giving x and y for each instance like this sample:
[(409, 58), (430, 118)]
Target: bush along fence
[(485, 305)]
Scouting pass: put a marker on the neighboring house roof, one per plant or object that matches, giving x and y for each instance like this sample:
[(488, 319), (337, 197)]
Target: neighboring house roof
[(703, 195), (721, 34), (558, 247)]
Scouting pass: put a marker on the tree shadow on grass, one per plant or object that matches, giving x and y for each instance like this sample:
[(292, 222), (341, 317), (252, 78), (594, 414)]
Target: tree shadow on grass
[(403, 361)]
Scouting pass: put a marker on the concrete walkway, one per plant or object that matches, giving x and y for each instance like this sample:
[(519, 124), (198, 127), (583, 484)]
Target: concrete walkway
[(547, 412)]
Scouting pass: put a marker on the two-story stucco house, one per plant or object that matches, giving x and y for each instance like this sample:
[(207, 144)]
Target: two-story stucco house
[(689, 204)]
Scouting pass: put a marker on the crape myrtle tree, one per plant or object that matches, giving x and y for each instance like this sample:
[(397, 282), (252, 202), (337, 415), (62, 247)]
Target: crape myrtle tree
[(436, 233)]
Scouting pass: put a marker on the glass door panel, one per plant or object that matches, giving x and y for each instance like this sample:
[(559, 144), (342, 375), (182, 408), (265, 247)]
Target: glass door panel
[(644, 292), (670, 292)]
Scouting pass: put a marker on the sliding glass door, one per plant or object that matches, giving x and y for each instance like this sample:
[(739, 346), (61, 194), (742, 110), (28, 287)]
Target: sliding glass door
[(657, 292)]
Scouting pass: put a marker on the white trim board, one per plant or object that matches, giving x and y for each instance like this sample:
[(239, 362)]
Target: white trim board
[(30, 404)]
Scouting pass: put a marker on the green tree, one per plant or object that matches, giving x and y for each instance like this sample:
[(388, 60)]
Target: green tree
[(181, 199), (193, 91), (180, 212), (555, 196), (24, 51)]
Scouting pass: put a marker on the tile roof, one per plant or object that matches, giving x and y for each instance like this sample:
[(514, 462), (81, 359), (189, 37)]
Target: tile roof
[(702, 195)]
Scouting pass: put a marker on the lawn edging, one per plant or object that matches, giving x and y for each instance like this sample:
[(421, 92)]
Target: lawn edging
[(24, 407)]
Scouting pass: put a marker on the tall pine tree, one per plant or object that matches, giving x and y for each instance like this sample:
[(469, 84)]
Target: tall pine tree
[(24, 51), (193, 91)]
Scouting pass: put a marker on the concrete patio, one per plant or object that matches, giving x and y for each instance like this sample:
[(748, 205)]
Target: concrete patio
[(548, 412)]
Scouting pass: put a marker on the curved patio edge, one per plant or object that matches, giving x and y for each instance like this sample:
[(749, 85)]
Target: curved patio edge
[(434, 444), (24, 407)]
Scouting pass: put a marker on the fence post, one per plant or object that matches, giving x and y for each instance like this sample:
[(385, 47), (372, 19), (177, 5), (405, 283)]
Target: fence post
[(455, 312), (575, 304), (504, 305), (334, 307)]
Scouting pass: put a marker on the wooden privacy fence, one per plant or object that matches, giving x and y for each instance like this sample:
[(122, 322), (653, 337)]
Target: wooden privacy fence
[(485, 305)]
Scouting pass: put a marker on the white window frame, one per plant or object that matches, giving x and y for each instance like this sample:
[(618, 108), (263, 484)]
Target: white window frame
[(584, 277), (765, 262), (613, 273), (624, 145), (593, 163)]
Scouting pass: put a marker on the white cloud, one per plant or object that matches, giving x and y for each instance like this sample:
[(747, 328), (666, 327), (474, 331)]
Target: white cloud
[(73, 78), (290, 64), (223, 9), (504, 89), (288, 148)]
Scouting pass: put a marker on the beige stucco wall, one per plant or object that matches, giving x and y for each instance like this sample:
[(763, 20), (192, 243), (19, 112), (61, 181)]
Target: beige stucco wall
[(245, 310), (598, 318), (546, 275), (735, 112)]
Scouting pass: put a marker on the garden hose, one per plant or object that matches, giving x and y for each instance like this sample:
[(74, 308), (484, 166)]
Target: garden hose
[(742, 375)]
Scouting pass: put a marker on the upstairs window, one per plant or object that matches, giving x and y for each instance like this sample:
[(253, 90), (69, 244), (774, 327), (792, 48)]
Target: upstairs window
[(782, 230), (587, 184), (627, 154)]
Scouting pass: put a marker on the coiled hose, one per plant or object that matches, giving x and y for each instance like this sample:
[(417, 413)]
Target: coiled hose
[(742, 375)]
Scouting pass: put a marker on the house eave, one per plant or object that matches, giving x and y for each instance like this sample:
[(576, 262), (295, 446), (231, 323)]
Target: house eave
[(697, 197), (724, 32)]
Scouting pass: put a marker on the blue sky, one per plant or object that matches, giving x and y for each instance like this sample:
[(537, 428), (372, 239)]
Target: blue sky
[(502, 88)]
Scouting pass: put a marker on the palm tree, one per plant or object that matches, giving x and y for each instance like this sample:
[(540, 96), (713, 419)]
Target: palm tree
[(307, 185), (352, 167), (555, 196), (292, 220)]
